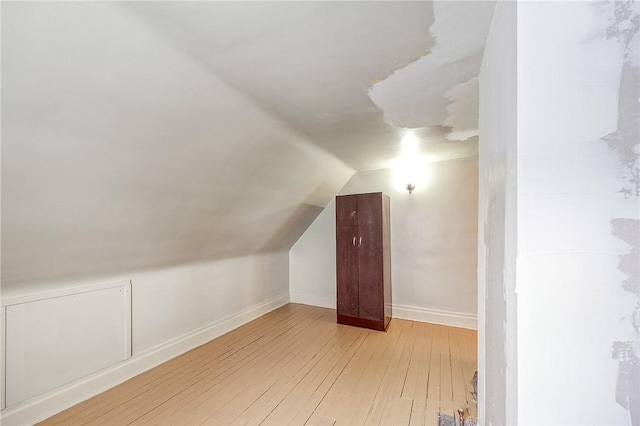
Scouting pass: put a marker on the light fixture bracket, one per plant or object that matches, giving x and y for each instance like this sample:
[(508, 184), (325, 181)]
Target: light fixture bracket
[(410, 187)]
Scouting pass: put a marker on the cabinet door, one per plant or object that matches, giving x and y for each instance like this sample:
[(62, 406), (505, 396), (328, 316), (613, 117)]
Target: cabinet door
[(370, 291), (347, 255)]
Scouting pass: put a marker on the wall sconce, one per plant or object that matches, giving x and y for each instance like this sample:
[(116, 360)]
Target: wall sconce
[(410, 168), (410, 187)]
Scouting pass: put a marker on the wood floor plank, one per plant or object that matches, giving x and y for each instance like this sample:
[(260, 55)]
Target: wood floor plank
[(432, 402), (281, 375), (295, 365), (113, 398), (385, 388), (397, 407), (446, 385), (274, 372), (419, 395), (341, 391), (210, 395), (283, 406), (354, 410), (311, 404), (216, 369), (460, 401), (416, 360)]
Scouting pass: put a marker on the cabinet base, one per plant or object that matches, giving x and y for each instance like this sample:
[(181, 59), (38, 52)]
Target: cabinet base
[(365, 323)]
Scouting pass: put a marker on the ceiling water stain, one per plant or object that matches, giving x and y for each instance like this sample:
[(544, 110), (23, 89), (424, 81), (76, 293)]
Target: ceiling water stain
[(414, 96)]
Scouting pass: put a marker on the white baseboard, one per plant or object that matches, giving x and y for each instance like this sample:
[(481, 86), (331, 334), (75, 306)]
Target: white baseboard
[(307, 299), (44, 406), (414, 313), (435, 316)]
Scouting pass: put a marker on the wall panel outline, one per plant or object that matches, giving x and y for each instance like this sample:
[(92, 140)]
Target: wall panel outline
[(67, 333)]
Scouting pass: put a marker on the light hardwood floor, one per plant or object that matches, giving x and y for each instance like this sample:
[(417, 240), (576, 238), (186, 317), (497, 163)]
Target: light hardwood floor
[(295, 365)]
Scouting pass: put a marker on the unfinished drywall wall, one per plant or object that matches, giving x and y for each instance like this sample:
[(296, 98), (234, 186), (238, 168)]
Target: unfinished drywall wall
[(497, 389), (578, 213), (433, 245)]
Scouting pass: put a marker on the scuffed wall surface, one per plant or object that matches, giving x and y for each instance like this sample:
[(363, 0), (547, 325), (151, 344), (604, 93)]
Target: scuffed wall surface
[(578, 213), (433, 241), (497, 346)]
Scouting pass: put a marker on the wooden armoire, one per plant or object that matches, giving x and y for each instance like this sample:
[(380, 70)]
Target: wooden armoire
[(363, 260)]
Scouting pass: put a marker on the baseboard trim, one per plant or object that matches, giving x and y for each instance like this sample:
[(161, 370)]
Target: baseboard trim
[(435, 316), (307, 299), (46, 405), (413, 313)]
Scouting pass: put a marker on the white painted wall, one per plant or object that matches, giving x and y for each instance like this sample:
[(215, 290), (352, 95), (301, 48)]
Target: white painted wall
[(312, 262), (578, 135), (174, 310), (433, 245), (497, 358), (173, 302), (122, 153)]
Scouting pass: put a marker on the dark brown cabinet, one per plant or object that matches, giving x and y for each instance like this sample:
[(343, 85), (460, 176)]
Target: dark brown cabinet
[(363, 260)]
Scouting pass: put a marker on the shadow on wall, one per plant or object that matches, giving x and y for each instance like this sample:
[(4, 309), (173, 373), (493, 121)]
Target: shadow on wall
[(292, 221)]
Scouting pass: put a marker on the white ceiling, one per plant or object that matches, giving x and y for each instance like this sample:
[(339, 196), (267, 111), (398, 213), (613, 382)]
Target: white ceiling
[(348, 75), (142, 135)]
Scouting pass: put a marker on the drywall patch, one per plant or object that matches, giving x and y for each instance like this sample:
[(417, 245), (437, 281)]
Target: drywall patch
[(628, 230), (624, 25), (628, 352), (463, 110)]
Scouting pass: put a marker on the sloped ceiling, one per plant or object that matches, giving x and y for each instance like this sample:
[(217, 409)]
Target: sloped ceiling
[(144, 135)]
